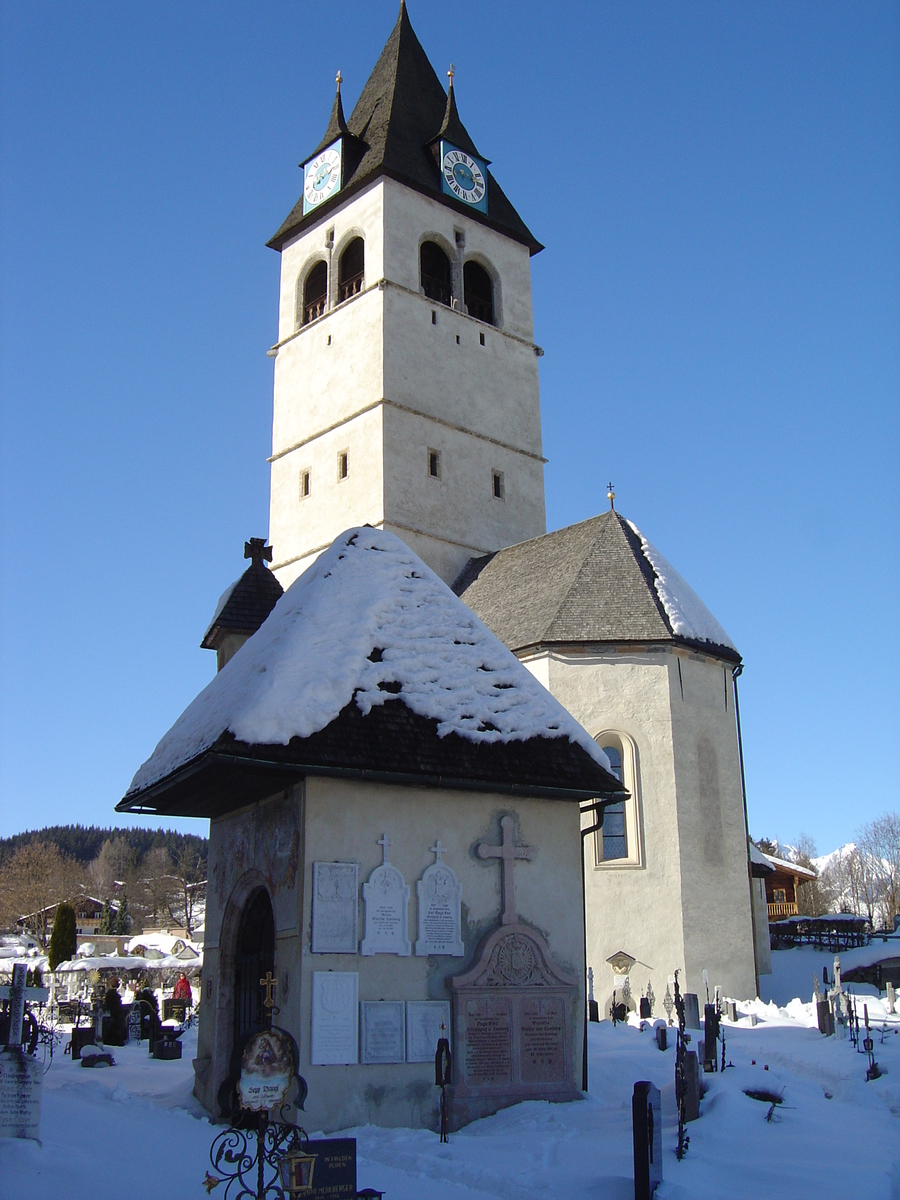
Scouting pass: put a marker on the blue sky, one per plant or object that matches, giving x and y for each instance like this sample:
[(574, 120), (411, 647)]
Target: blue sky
[(719, 303)]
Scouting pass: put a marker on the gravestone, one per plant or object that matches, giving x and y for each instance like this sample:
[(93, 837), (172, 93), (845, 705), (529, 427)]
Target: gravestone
[(661, 1036), (691, 1011), (134, 1023), (334, 907), (426, 1022), (646, 1122), (645, 1009), (891, 996), (386, 898), (691, 1086), (710, 1038), (21, 1076), (593, 1006), (514, 1011), (731, 1010), (335, 1017), (334, 1173), (825, 1017), (440, 896), (382, 1031)]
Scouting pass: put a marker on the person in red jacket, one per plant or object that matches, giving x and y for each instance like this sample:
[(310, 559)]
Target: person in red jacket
[(182, 989)]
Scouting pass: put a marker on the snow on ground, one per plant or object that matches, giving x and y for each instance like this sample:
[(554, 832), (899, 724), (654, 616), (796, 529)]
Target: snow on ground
[(135, 1128), (793, 970), (367, 613)]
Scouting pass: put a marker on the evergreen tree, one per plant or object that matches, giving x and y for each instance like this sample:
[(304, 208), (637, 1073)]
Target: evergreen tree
[(122, 921), (63, 939), (107, 919)]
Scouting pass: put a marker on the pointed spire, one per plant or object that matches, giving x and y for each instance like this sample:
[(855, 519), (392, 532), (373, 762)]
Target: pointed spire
[(337, 126)]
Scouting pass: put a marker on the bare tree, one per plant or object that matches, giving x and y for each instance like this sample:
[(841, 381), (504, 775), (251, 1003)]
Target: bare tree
[(879, 848), (113, 869), (812, 898), (35, 879)]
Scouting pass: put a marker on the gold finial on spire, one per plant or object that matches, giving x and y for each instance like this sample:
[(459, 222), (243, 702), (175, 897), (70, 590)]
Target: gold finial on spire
[(339, 79), (611, 497), (450, 75)]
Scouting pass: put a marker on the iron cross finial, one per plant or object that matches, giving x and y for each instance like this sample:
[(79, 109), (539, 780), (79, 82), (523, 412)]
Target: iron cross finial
[(611, 497), (450, 75), (257, 550)]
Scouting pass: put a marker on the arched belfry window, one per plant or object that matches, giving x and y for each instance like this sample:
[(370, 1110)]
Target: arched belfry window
[(352, 268), (479, 292), (434, 272), (315, 292), (620, 842)]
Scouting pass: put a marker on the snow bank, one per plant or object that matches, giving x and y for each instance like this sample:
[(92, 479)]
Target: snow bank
[(688, 615), (367, 612)]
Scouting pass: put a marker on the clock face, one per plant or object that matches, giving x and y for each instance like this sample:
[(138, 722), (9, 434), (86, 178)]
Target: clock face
[(321, 177), (463, 177)]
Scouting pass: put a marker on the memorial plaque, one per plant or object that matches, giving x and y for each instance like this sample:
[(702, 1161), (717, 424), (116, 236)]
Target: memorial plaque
[(334, 907), (334, 1174), (386, 898), (542, 1040), (488, 1044), (424, 1019), (382, 1033), (440, 895), (335, 1017), (21, 1079)]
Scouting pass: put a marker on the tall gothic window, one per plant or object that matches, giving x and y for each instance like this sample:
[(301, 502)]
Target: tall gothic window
[(315, 292), (351, 269), (434, 272), (479, 292), (614, 835)]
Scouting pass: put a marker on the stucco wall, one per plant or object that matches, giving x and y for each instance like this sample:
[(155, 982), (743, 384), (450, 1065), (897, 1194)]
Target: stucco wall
[(343, 822)]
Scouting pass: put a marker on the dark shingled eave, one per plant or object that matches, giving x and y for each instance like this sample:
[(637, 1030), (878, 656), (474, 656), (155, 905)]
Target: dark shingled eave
[(401, 112), (252, 599), (390, 744)]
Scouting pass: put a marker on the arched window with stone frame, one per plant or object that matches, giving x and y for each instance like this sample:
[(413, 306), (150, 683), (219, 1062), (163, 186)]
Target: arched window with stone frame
[(315, 293), (620, 842), (435, 273), (351, 269), (478, 292)]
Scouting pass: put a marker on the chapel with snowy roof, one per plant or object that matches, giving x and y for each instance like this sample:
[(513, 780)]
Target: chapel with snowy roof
[(536, 729)]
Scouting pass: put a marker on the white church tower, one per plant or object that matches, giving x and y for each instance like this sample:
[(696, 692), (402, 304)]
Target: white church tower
[(406, 374)]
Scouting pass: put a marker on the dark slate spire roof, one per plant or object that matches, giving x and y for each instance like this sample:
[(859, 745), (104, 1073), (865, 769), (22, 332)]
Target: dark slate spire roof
[(337, 126), (598, 581), (397, 119), (245, 605)]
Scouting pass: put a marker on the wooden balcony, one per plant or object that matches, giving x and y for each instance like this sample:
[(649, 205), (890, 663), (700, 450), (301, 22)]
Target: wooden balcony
[(785, 908)]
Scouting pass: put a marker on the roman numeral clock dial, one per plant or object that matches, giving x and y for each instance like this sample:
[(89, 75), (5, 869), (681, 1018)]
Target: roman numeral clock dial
[(463, 177), (321, 177)]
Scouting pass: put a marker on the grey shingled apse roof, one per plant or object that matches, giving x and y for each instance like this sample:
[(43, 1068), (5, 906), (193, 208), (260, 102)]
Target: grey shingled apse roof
[(249, 603), (586, 583), (392, 130)]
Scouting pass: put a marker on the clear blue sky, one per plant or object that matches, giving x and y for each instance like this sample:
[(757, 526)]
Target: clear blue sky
[(718, 300)]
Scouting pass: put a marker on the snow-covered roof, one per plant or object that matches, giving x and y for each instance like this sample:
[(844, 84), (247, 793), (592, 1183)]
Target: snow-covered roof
[(792, 867), (759, 859), (368, 622)]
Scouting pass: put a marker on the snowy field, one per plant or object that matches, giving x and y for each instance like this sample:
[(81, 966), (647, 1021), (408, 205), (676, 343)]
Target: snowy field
[(135, 1129)]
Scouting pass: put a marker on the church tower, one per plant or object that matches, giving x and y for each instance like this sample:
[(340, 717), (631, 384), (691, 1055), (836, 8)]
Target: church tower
[(406, 374)]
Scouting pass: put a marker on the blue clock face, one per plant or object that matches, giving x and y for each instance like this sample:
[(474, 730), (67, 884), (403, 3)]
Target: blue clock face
[(463, 177), (322, 177)]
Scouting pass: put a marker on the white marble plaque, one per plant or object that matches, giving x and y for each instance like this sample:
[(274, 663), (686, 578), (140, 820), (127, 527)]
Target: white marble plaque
[(423, 1028), (335, 1017), (382, 1036), (440, 894), (386, 898), (334, 907), (21, 1079)]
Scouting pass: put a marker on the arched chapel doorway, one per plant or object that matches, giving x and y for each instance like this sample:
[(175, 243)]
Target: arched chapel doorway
[(254, 956)]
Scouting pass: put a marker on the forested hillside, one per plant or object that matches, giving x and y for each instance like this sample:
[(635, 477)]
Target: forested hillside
[(84, 842)]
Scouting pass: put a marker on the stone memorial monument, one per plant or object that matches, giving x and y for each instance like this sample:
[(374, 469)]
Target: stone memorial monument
[(21, 1076), (691, 1011), (513, 1011), (646, 1122), (335, 1017), (426, 1022), (334, 907), (440, 896), (386, 898), (382, 1032)]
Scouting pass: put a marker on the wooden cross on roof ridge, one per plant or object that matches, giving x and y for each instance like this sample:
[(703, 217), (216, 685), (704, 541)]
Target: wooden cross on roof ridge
[(507, 852)]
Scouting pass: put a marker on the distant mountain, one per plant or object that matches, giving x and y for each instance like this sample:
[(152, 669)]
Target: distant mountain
[(83, 842)]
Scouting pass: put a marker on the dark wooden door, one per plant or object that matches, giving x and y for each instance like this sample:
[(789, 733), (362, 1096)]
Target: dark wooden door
[(255, 956)]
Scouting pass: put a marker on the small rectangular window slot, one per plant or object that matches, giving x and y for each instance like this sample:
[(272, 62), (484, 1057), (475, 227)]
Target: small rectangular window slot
[(498, 489), (460, 236), (328, 343), (329, 238), (433, 317), (343, 464), (480, 338), (304, 483), (457, 339), (434, 463)]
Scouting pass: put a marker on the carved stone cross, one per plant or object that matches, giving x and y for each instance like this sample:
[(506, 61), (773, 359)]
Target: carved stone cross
[(384, 841), (507, 852), (437, 850), (269, 982)]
